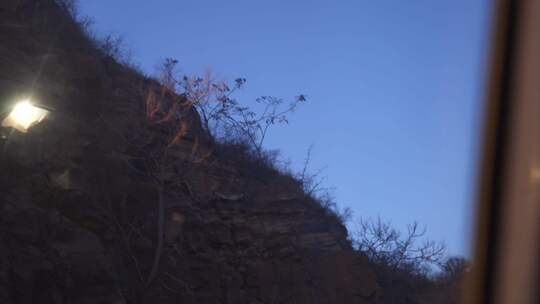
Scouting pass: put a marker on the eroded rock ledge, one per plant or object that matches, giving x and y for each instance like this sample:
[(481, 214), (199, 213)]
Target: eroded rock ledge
[(77, 221)]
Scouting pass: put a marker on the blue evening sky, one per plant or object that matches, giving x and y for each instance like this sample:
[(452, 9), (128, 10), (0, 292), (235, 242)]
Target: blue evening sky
[(394, 89)]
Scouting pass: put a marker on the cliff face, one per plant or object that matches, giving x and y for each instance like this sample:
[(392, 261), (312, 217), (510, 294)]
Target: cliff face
[(79, 213)]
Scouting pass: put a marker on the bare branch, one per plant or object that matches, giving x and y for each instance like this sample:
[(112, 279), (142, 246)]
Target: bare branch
[(223, 117), (387, 247)]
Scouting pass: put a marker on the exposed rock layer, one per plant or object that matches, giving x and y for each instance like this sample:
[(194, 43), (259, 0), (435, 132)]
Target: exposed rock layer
[(78, 217)]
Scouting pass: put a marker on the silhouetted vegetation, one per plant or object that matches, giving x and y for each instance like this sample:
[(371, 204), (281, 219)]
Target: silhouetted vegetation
[(238, 131), (405, 263), (110, 45), (223, 117), (453, 270), (391, 248)]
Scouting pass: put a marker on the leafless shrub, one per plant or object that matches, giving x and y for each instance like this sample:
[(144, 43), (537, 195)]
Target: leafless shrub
[(344, 214), (223, 117), (255, 166), (84, 22), (311, 182), (239, 131), (388, 247), (110, 45), (327, 201), (404, 262), (453, 269), (114, 46)]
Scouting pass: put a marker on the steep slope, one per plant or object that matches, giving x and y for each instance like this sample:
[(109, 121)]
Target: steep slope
[(79, 193)]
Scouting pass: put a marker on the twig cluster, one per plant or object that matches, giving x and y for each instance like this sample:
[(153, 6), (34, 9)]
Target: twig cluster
[(223, 117), (391, 248)]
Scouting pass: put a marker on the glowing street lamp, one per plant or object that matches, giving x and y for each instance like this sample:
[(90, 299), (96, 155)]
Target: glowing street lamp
[(25, 115)]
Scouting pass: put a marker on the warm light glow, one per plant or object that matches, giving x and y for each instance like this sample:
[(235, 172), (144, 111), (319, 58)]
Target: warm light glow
[(24, 115)]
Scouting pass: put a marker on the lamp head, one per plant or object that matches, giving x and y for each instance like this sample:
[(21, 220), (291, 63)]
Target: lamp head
[(24, 115)]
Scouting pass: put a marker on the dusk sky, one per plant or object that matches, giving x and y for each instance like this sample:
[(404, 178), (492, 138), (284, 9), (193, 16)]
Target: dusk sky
[(394, 89)]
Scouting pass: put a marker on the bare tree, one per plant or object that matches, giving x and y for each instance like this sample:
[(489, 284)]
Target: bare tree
[(152, 145), (166, 114), (223, 116), (402, 260), (387, 246)]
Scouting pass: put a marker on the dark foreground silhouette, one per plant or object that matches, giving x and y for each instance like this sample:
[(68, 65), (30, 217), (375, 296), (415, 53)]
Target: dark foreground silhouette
[(103, 203)]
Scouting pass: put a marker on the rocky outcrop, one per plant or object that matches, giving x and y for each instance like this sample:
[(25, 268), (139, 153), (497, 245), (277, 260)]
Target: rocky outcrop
[(78, 215)]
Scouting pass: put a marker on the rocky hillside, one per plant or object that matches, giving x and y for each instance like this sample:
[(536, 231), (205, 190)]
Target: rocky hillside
[(80, 193)]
